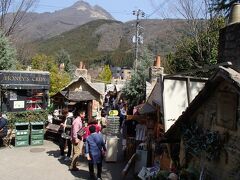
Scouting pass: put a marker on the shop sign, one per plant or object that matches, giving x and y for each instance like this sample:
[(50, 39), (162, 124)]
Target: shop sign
[(18, 105), (113, 113), (16, 77)]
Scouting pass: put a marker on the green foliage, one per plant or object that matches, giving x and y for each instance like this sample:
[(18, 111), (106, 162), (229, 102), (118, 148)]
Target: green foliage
[(58, 79), (197, 140), (27, 116), (106, 74), (135, 89), (222, 5), (43, 62), (62, 56), (7, 54), (80, 43), (50, 109), (196, 52)]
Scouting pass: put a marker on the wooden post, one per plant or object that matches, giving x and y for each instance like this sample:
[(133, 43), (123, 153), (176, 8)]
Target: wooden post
[(128, 165), (89, 111)]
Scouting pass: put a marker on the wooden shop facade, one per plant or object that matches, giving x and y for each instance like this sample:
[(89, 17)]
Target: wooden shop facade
[(79, 94), (23, 90)]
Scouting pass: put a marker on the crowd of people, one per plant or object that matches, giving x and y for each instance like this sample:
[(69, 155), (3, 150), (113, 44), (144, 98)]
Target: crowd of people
[(81, 140)]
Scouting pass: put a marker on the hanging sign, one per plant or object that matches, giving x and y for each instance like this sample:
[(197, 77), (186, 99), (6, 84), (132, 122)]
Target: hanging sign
[(113, 113)]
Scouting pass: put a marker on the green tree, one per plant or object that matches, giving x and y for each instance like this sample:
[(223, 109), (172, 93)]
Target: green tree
[(7, 54), (43, 62), (195, 52), (135, 89), (106, 74), (58, 79), (62, 56)]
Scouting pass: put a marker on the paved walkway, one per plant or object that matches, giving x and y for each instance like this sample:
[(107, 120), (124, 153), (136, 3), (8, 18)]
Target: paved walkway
[(41, 163)]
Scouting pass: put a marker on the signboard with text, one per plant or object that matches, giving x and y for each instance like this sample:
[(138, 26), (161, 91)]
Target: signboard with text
[(113, 113), (24, 77)]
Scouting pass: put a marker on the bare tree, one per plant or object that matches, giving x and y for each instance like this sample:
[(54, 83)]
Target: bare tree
[(12, 12), (199, 20)]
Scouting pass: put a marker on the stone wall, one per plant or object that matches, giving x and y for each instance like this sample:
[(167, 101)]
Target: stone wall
[(228, 164), (229, 45)]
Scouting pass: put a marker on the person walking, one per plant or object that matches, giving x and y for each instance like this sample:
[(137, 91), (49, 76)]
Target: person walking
[(76, 141), (65, 136), (123, 114), (95, 150)]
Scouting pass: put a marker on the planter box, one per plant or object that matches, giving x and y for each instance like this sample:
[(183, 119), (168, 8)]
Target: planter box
[(21, 143), (22, 138), (36, 142), (37, 133), (22, 134)]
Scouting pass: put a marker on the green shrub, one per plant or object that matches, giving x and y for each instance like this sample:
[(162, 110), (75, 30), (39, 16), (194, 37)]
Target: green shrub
[(27, 116)]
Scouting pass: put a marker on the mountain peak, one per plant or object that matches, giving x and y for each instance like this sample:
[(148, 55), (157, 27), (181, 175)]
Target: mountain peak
[(80, 4), (95, 11), (46, 25)]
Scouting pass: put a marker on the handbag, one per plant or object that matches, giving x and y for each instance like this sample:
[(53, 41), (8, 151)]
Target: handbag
[(81, 132), (66, 134)]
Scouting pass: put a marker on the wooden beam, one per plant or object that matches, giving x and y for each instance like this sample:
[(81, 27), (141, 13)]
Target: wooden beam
[(128, 165)]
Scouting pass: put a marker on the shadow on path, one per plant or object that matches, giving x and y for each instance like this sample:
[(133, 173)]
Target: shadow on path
[(54, 153)]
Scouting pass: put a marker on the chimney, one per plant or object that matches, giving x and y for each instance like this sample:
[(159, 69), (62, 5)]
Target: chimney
[(235, 14), (229, 39), (61, 67), (81, 71), (156, 70), (80, 65), (158, 61)]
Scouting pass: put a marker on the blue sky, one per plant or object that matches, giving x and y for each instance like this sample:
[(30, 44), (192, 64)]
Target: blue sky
[(120, 9)]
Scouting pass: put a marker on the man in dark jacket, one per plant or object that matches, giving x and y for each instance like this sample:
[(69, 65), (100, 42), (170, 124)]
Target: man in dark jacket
[(3, 126), (95, 149)]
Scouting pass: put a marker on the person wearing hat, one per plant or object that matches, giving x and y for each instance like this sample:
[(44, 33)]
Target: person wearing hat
[(95, 149)]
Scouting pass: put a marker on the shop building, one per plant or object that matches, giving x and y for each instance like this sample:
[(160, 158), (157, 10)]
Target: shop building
[(23, 90), (80, 94), (208, 131)]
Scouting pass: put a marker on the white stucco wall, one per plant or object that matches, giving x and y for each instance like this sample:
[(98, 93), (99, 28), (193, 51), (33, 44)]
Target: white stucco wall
[(175, 98)]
